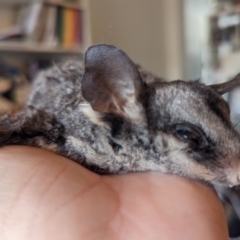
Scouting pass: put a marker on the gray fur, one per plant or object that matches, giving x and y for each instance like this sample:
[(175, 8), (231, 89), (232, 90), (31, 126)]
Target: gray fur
[(135, 121)]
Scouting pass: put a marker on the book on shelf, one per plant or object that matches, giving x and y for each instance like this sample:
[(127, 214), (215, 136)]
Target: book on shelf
[(49, 24), (14, 32), (71, 27), (32, 19), (49, 36)]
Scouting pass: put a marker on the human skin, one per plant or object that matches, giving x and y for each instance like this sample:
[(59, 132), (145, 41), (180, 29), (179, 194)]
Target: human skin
[(46, 196)]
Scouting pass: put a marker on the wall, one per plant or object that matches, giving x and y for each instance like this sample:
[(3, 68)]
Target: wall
[(149, 31), (196, 37)]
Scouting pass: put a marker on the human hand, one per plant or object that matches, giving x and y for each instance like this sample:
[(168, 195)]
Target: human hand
[(46, 196)]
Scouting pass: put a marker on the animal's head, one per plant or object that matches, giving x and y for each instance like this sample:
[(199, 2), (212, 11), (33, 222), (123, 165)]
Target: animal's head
[(190, 121)]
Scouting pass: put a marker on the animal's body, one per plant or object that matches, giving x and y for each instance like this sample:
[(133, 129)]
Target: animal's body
[(112, 117)]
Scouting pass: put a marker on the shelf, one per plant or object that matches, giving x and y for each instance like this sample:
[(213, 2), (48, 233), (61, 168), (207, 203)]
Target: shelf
[(37, 49), (10, 3), (13, 3), (232, 10), (63, 4)]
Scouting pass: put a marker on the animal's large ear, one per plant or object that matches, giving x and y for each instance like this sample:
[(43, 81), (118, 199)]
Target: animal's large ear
[(111, 82), (227, 86)]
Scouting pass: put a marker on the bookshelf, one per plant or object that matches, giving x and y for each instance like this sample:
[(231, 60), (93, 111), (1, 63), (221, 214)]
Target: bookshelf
[(14, 3), (23, 54), (60, 45), (224, 40), (37, 48)]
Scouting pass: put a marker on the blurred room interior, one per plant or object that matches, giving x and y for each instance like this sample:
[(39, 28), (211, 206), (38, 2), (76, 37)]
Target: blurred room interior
[(174, 39)]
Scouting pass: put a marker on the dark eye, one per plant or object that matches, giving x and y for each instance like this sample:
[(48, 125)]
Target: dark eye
[(185, 134), (190, 133)]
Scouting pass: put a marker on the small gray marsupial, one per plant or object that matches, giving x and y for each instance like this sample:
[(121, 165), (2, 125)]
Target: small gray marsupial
[(110, 116)]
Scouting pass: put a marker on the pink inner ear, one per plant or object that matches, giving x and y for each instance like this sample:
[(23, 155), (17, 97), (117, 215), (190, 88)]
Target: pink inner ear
[(108, 104), (101, 97), (103, 105), (111, 80)]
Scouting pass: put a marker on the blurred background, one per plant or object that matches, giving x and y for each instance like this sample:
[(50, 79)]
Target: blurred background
[(174, 39)]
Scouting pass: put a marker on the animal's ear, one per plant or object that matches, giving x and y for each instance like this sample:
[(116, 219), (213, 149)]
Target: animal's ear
[(227, 86), (111, 82)]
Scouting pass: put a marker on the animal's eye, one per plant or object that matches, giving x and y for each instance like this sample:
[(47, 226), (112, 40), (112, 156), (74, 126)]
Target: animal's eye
[(190, 133), (184, 134)]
